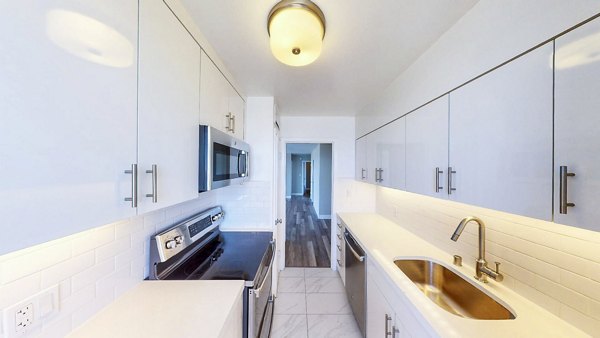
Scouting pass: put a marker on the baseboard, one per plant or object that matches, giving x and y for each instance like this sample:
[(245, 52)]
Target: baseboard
[(288, 197), (325, 216), (297, 194)]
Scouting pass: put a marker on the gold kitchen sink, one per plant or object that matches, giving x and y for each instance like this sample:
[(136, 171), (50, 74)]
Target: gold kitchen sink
[(451, 292)]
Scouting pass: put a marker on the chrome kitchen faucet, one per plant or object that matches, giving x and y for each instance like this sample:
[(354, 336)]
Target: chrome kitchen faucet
[(481, 268)]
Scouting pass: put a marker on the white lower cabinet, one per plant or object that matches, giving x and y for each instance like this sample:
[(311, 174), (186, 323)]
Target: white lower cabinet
[(168, 118), (389, 313), (341, 250)]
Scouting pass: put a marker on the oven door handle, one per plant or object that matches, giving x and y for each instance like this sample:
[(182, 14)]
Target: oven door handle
[(258, 290)]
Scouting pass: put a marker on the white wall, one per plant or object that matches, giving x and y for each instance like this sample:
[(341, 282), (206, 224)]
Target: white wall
[(488, 35)]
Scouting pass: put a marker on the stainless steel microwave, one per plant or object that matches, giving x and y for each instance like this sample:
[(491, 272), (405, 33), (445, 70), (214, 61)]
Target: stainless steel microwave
[(224, 160)]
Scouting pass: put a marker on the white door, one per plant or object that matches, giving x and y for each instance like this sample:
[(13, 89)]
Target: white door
[(501, 138), (169, 99), (360, 172), (390, 152), (427, 149), (577, 123), (68, 116), (214, 94)]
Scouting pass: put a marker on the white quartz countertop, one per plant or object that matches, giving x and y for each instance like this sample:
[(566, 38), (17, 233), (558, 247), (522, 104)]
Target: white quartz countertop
[(384, 241), (166, 309)]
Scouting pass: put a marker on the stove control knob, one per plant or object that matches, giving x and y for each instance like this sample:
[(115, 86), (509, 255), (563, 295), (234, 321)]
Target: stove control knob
[(215, 218), (178, 239), (171, 244)]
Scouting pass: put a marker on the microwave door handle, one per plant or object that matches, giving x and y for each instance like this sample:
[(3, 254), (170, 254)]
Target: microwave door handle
[(239, 156)]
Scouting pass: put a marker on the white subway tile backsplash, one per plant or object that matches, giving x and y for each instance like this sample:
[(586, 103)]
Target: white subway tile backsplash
[(66, 269), (114, 248), (26, 264), (18, 290), (553, 265), (91, 275), (89, 240)]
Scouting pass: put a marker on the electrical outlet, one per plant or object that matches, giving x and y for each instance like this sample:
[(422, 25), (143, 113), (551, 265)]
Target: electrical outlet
[(26, 316)]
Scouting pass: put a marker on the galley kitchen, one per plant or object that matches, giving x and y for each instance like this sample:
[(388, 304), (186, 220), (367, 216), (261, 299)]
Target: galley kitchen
[(299, 168)]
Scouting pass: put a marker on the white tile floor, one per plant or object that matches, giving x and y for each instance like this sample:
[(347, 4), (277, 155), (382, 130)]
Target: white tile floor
[(312, 303)]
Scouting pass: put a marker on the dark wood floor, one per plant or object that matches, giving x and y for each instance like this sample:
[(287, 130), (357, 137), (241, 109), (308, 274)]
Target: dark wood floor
[(308, 238)]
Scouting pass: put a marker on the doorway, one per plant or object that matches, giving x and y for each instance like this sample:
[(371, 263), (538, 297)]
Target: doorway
[(307, 177), (308, 204)]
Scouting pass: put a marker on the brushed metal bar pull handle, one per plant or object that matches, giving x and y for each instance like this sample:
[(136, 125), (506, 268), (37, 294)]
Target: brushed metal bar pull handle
[(154, 194), (394, 331), (232, 123), (388, 319), (450, 188), (380, 174), (133, 198), (362, 174), (228, 126), (563, 191), (438, 188)]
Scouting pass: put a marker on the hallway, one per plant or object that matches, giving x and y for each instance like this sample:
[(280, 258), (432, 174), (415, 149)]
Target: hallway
[(308, 238)]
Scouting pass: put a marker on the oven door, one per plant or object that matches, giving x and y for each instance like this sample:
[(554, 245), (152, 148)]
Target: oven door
[(261, 301)]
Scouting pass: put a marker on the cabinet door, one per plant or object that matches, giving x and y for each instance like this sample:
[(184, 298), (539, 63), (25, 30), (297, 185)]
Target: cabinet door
[(501, 137), (380, 314), (390, 152), (577, 122), (360, 171), (371, 157), (214, 96), (427, 149), (68, 117), (168, 118), (236, 108)]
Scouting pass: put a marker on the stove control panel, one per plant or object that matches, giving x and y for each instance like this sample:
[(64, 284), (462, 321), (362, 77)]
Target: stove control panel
[(175, 239)]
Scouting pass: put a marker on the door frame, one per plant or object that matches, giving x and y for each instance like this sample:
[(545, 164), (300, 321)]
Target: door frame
[(281, 198)]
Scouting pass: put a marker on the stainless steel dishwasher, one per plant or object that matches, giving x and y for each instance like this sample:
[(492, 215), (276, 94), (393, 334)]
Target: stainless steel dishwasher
[(355, 280)]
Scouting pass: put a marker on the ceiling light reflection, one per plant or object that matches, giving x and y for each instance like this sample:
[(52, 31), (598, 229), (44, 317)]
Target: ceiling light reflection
[(578, 53), (89, 38)]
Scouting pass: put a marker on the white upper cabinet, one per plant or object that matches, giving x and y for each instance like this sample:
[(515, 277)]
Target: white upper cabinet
[(169, 100), (236, 109), (221, 106), (427, 149), (386, 154), (577, 124), (501, 138), (390, 154), (68, 116), (360, 171)]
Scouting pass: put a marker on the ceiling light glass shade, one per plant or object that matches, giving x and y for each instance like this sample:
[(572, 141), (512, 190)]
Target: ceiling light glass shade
[(297, 29)]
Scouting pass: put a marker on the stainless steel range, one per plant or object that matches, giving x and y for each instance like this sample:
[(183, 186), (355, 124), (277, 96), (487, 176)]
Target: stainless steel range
[(195, 249)]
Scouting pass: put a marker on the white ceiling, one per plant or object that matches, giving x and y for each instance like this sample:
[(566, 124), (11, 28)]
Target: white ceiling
[(368, 43)]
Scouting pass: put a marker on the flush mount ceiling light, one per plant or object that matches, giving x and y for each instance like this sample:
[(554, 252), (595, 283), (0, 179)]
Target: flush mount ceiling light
[(296, 29)]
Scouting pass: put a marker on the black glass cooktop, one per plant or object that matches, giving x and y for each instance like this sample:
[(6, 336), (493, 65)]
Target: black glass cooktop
[(230, 255)]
